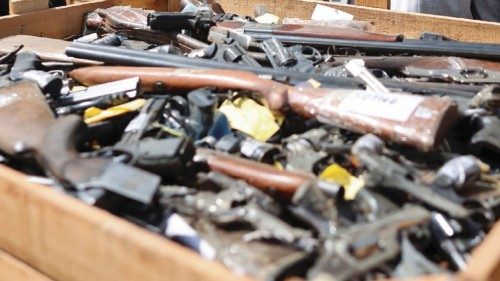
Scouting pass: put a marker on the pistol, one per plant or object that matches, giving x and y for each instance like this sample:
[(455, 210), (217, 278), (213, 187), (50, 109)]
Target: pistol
[(31, 128)]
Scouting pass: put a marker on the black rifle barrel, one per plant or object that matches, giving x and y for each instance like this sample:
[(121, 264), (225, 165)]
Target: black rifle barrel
[(121, 56), (420, 47)]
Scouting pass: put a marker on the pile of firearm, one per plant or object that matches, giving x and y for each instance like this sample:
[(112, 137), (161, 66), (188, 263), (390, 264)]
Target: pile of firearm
[(328, 153)]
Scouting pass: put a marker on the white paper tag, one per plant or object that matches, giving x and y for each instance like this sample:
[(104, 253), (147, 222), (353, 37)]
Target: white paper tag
[(395, 107), (267, 18), (325, 13)]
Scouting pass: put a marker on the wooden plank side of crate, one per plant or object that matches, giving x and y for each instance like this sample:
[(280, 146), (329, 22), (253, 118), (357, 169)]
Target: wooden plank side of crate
[(26, 6), (60, 22), (63, 22), (159, 5), (68, 240), (383, 4), (12, 269), (385, 21), (484, 264)]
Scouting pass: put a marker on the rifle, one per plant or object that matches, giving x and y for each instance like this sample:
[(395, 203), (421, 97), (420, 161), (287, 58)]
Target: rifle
[(202, 21), (304, 31), (345, 108), (427, 45), (121, 56), (29, 126), (450, 69)]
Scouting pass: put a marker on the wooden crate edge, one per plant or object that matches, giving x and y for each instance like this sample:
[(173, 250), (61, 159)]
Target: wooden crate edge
[(12, 269), (68, 240), (66, 21)]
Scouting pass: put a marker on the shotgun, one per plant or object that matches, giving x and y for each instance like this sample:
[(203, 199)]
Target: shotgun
[(29, 127), (306, 31), (418, 121)]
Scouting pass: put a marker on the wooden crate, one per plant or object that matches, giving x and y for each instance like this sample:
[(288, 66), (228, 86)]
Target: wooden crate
[(26, 6), (390, 22), (12, 269), (47, 235), (384, 4)]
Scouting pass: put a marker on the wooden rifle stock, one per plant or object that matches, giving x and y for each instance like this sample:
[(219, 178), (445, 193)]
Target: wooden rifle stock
[(25, 115), (30, 126), (409, 119), (307, 31), (263, 176), (413, 120)]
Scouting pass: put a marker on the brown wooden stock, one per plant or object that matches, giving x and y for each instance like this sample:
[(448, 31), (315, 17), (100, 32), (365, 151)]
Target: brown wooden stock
[(25, 115), (185, 79), (420, 131), (28, 124), (311, 31), (58, 153), (400, 63), (263, 176)]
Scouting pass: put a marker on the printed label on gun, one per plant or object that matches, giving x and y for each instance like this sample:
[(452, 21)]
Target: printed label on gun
[(387, 106)]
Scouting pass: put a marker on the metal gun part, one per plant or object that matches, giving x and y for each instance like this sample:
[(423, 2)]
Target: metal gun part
[(386, 173), (128, 87), (302, 157), (241, 203), (28, 66), (167, 157), (107, 94), (467, 75), (488, 135), (291, 58), (357, 69), (229, 51), (364, 247), (313, 207), (414, 263)]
